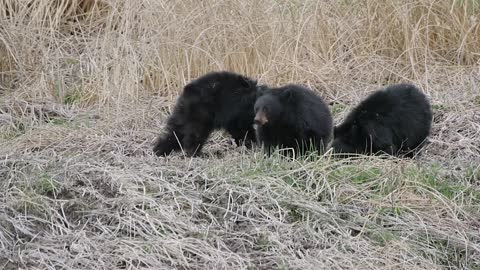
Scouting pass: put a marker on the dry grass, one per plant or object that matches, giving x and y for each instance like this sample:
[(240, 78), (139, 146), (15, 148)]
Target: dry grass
[(86, 86)]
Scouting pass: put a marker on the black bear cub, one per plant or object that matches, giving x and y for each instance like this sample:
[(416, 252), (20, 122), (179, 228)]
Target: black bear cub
[(294, 117), (217, 100), (395, 120)]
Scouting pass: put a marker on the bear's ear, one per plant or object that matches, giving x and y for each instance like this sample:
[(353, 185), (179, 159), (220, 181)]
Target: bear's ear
[(189, 89), (193, 89), (261, 89), (247, 83), (287, 95)]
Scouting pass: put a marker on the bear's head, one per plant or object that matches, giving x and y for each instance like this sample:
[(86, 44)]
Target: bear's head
[(354, 135), (268, 109)]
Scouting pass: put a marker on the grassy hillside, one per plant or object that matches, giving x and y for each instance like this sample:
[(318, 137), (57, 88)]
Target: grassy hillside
[(86, 86)]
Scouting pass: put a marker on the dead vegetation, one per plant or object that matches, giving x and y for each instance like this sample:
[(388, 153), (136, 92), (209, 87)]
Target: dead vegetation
[(86, 86)]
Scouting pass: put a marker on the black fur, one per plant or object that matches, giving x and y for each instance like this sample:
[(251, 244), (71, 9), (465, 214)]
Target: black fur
[(292, 116), (217, 100), (395, 120)]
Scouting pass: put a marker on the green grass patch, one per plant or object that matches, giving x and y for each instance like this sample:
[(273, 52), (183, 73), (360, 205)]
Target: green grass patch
[(337, 108), (382, 237), (72, 61), (456, 190), (473, 174), (476, 100), (356, 174), (265, 166), (72, 98), (438, 108), (392, 211), (58, 121), (46, 185), (377, 178)]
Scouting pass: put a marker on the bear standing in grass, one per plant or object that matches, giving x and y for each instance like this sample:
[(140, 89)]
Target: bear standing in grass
[(394, 120), (292, 116), (217, 100)]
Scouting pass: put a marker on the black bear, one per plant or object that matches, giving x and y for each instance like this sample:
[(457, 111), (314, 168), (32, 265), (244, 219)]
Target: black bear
[(293, 117), (395, 120), (217, 100)]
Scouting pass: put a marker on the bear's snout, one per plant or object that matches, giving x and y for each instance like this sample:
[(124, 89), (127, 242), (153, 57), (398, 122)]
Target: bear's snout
[(260, 119)]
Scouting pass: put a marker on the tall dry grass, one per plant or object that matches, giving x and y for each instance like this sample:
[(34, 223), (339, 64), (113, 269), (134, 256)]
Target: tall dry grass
[(117, 51)]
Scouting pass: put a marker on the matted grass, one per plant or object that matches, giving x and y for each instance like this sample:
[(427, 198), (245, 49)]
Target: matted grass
[(86, 86)]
